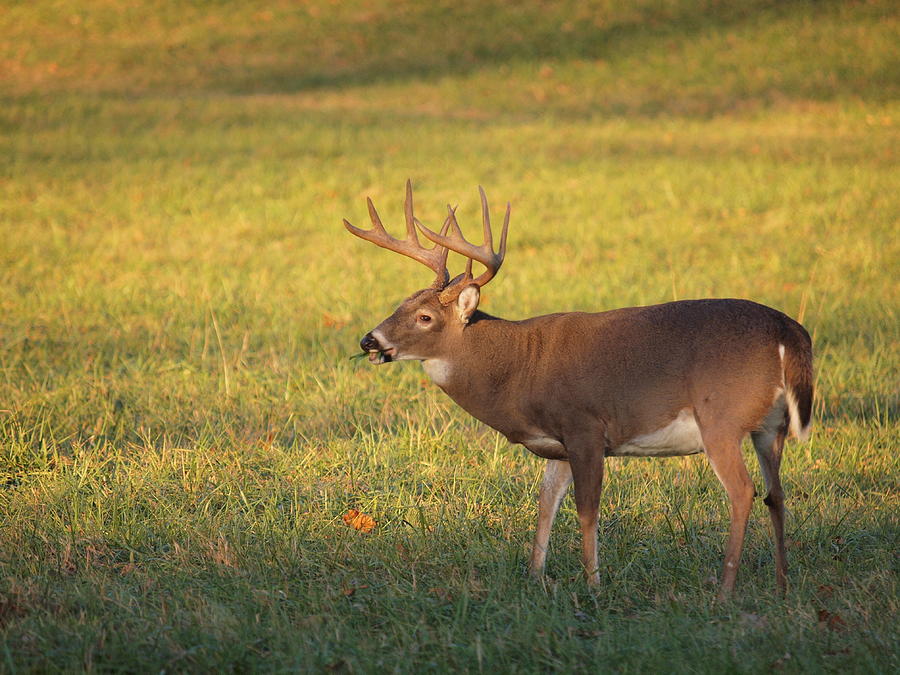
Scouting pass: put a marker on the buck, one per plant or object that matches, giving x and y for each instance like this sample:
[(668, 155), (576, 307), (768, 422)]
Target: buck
[(574, 388)]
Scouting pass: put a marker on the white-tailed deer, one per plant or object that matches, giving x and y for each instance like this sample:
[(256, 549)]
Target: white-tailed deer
[(671, 379)]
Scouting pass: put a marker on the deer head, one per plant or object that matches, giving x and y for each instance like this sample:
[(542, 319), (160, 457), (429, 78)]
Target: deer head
[(424, 326)]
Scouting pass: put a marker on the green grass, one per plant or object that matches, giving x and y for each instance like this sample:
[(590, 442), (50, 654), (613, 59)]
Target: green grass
[(181, 429)]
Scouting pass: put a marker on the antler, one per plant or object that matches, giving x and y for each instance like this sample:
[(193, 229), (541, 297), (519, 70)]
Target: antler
[(434, 258), (483, 254)]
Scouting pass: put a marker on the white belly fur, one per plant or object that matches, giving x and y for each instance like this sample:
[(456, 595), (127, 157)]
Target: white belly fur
[(680, 437)]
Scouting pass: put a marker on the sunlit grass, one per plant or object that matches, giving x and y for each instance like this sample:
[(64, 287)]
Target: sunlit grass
[(181, 428)]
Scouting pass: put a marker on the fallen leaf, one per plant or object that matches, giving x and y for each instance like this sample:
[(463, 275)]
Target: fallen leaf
[(359, 521), (825, 591), (831, 621)]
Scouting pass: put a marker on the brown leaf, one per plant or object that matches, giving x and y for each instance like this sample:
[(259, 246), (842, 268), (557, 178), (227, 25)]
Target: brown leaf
[(825, 591), (402, 551), (359, 521), (831, 621), (350, 590)]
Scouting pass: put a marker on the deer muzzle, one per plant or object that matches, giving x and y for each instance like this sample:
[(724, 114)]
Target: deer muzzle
[(377, 353)]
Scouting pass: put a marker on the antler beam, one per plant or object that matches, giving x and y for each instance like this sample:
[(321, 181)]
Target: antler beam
[(434, 258)]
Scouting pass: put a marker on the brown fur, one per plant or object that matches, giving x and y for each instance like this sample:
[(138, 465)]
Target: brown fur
[(575, 386)]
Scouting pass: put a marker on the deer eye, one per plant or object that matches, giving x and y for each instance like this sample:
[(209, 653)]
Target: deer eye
[(424, 318)]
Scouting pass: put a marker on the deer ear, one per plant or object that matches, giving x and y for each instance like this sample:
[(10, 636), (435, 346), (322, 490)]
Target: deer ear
[(467, 302)]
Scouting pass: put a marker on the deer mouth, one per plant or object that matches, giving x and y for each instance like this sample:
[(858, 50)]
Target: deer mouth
[(377, 348), (379, 356)]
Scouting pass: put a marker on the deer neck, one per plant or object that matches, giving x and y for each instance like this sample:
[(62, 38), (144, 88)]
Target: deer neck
[(478, 365), (461, 363)]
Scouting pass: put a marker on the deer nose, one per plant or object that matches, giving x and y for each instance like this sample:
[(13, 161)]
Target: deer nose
[(369, 343)]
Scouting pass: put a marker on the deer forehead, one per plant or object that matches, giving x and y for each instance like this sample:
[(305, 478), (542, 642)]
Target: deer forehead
[(426, 298)]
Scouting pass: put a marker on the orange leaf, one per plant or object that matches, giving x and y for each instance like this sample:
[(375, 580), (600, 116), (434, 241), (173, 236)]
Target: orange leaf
[(334, 321), (359, 521)]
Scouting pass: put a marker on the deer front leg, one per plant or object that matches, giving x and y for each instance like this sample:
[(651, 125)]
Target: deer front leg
[(557, 478), (586, 460)]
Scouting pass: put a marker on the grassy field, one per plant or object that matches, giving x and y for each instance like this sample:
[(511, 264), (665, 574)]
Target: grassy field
[(181, 429)]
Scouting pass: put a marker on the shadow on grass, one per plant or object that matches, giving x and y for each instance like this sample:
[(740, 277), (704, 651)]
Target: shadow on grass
[(430, 44), (474, 35), (677, 57)]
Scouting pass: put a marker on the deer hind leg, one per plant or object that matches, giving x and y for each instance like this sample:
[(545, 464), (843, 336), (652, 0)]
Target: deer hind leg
[(724, 453), (557, 478), (769, 443), (587, 472)]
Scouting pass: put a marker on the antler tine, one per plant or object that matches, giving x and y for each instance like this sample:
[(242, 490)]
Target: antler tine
[(408, 212), (486, 219), (434, 258), (502, 252), (483, 254), (374, 217), (377, 235), (457, 232), (441, 279)]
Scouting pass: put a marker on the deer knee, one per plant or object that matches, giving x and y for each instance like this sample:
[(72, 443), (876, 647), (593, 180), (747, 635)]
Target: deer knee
[(774, 499)]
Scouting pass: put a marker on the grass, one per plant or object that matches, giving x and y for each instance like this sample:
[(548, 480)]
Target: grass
[(181, 429)]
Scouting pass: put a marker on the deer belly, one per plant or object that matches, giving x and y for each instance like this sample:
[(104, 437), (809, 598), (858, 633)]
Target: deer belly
[(546, 447), (680, 437)]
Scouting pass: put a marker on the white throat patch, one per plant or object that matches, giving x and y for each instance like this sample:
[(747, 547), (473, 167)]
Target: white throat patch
[(438, 370)]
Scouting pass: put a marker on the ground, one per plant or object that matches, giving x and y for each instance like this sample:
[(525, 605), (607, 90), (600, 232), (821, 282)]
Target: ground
[(182, 430)]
